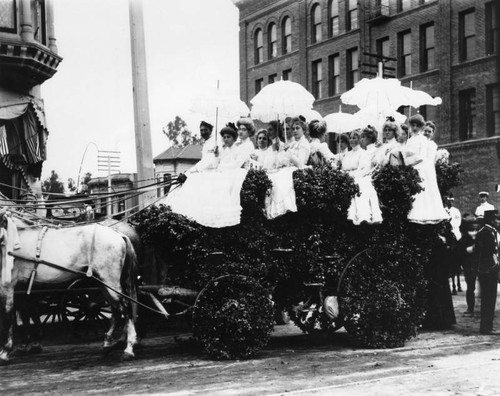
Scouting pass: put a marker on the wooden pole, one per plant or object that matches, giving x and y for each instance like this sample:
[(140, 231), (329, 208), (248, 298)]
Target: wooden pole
[(144, 154)]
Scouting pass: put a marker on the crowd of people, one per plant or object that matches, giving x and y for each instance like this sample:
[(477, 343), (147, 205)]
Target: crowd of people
[(297, 144), (467, 245), (210, 194)]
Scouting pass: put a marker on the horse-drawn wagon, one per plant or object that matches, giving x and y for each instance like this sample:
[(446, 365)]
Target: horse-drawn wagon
[(313, 266)]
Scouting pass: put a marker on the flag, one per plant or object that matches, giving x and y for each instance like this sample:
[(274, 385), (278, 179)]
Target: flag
[(4, 148)]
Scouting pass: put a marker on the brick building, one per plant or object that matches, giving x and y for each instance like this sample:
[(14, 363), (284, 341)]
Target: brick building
[(443, 47), (28, 57)]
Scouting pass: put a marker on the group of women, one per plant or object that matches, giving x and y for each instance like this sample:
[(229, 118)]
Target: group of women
[(280, 151)]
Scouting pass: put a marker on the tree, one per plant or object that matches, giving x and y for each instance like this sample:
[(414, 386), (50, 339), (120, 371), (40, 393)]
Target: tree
[(53, 184), (179, 134)]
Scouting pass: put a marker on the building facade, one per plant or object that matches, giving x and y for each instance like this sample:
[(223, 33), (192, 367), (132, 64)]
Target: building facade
[(446, 48), (122, 201), (28, 57)]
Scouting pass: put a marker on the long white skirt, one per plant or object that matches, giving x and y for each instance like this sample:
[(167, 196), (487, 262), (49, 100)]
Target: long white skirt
[(428, 205), (212, 199), (282, 197), (365, 208)]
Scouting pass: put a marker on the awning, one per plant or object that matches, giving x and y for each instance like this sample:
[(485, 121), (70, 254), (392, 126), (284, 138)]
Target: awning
[(24, 119)]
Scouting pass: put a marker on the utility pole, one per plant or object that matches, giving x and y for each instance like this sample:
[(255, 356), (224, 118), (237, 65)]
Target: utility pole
[(144, 154)]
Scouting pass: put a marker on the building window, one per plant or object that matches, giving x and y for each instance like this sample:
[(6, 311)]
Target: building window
[(403, 5), (39, 25), (352, 15), (287, 74), (427, 59), (404, 53), (352, 67), (467, 114), (333, 18), (493, 109), (492, 28), (383, 47), (272, 41), (467, 35), (287, 35), (8, 21), (317, 75), (316, 24), (258, 45), (272, 78), (333, 74), (259, 84), (429, 112)]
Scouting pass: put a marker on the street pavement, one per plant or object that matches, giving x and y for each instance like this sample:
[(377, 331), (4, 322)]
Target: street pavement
[(458, 361)]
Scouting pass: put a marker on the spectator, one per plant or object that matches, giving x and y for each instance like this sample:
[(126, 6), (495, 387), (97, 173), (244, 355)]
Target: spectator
[(486, 248), (484, 205), (468, 261)]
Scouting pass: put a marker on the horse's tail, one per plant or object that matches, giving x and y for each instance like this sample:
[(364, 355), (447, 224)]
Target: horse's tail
[(129, 277)]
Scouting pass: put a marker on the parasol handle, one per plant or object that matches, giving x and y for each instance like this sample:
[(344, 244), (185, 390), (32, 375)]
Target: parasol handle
[(216, 119)]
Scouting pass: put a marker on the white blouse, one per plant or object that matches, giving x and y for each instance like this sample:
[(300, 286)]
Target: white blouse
[(317, 146), (268, 158), (300, 150), (356, 162)]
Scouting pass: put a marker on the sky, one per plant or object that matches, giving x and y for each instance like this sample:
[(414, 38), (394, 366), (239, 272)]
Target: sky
[(191, 45)]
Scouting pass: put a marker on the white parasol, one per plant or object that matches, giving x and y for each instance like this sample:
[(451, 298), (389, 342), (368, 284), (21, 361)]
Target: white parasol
[(281, 99)]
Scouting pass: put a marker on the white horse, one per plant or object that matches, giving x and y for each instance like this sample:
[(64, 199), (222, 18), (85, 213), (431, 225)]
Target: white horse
[(92, 249)]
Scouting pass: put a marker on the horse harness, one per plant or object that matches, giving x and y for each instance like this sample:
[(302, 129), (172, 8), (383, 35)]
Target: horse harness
[(38, 252)]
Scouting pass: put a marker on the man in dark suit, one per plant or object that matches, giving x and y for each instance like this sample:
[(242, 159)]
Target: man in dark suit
[(486, 248)]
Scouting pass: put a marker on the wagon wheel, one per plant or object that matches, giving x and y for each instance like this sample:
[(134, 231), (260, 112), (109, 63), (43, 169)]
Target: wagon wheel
[(233, 317), (49, 306), (85, 310)]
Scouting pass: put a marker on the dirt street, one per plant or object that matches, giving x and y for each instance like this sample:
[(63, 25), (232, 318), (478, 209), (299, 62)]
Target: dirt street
[(453, 362)]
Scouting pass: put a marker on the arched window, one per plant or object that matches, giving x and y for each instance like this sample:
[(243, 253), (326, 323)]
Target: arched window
[(333, 18), (316, 24), (272, 46), (258, 46), (286, 28)]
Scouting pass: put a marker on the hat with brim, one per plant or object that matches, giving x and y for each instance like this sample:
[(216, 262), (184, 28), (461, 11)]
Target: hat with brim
[(484, 193), (470, 222)]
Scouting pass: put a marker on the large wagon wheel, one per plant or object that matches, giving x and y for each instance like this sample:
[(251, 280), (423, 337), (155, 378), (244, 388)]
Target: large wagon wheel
[(84, 309), (233, 317)]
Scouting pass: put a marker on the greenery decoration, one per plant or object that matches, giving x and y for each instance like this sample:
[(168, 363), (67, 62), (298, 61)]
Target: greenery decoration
[(381, 293), (448, 175), (233, 317)]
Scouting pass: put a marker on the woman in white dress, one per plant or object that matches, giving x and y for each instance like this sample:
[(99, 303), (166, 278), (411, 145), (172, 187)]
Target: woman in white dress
[(264, 157), (429, 131), (344, 148), (428, 205), (244, 146), (390, 130), (320, 153), (282, 197), (365, 207), (300, 149), (368, 141), (212, 198)]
